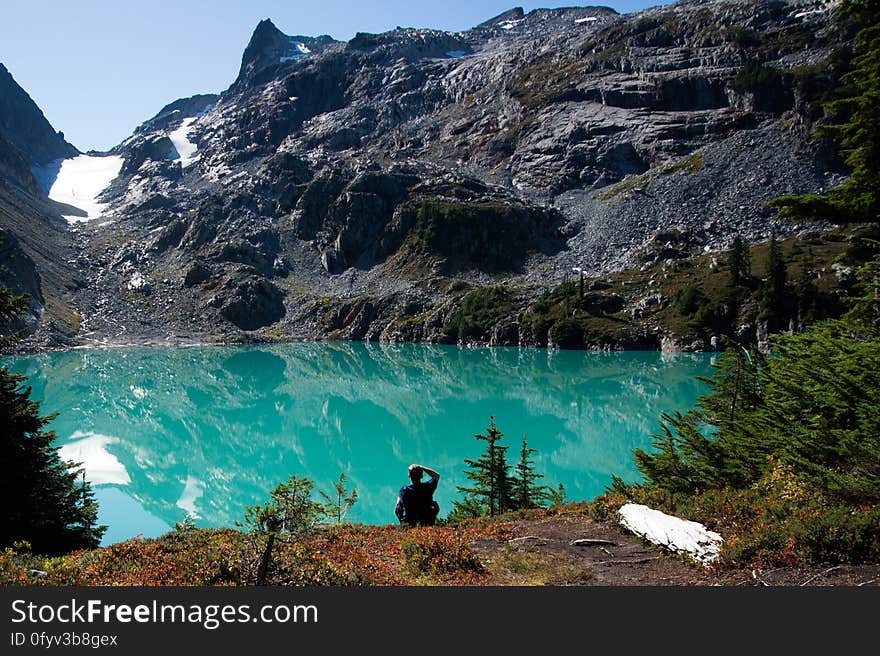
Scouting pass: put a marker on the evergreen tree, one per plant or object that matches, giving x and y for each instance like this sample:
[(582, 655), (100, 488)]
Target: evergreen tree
[(706, 447), (812, 407), (739, 262), (341, 501), (774, 293), (854, 123), (526, 494), (820, 410), (290, 510), (491, 492), (553, 496), (864, 315), (806, 293), (11, 308), (41, 500)]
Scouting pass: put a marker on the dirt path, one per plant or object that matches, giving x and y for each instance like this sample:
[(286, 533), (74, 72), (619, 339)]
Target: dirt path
[(576, 550)]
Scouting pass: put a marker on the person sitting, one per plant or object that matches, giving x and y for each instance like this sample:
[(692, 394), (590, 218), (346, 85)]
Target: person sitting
[(415, 502)]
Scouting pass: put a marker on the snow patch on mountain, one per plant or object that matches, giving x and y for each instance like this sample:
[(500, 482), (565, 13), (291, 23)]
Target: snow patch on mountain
[(81, 180), (186, 149), (299, 49)]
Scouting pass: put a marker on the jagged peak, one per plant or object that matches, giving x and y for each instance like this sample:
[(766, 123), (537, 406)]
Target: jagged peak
[(25, 126), (266, 37), (270, 46), (517, 13), (265, 29)]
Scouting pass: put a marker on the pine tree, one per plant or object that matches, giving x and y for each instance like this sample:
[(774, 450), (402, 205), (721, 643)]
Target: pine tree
[(526, 494), (290, 510), (491, 492), (806, 293), (812, 407), (863, 316), (707, 447), (739, 262), (41, 500), (11, 308), (820, 411), (341, 501), (774, 293)]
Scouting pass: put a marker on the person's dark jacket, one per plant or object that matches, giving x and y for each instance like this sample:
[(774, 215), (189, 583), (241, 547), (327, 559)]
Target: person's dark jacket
[(418, 507)]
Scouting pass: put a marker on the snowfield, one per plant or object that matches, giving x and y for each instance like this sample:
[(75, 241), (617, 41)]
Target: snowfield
[(81, 180), (678, 535), (185, 148)]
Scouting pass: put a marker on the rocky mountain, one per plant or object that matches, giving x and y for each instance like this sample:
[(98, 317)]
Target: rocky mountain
[(35, 246), (24, 128), (361, 189)]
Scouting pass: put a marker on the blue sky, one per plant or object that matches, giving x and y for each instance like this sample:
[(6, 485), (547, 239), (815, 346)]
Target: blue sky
[(98, 68)]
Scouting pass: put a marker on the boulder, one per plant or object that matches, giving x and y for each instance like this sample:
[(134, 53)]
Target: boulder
[(253, 303)]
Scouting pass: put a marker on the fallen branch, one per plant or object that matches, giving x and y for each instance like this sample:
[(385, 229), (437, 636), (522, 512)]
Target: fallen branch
[(636, 561), (759, 579), (606, 551), (865, 583), (813, 578), (526, 537), (591, 542)]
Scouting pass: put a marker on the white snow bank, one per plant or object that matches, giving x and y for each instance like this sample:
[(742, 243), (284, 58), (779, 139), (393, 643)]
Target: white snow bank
[(300, 50), (587, 19), (81, 180), (509, 24), (185, 148), (101, 466), (678, 535)]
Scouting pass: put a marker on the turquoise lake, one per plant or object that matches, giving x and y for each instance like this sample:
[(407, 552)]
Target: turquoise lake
[(204, 431)]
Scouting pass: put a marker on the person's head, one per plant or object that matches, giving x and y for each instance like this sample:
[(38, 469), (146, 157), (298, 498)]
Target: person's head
[(415, 473)]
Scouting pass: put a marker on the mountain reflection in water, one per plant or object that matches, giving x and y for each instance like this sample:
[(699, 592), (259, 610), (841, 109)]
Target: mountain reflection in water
[(204, 431)]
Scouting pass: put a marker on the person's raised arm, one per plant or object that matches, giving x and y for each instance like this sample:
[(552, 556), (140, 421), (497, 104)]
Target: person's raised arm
[(430, 472)]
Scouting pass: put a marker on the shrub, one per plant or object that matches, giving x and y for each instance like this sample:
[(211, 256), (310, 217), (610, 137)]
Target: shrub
[(479, 311), (689, 300), (754, 76), (438, 553), (567, 333)]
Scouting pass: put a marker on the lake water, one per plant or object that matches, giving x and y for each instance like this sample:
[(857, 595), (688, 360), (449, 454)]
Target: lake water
[(203, 431)]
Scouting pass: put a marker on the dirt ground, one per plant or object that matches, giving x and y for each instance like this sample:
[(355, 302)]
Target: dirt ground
[(543, 552)]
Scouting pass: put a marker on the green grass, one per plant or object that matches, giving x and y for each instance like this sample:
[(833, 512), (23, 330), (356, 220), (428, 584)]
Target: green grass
[(687, 165), (64, 313), (632, 183)]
